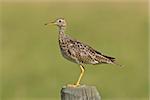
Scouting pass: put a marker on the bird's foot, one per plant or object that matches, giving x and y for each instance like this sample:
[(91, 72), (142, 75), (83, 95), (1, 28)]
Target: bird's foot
[(73, 85)]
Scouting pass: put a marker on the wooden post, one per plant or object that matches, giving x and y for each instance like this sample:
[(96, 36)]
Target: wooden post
[(82, 92)]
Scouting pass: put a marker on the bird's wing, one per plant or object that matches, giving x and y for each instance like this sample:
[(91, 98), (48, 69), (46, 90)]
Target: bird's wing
[(86, 54)]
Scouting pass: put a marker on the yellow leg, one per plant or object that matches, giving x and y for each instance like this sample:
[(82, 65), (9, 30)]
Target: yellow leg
[(80, 77)]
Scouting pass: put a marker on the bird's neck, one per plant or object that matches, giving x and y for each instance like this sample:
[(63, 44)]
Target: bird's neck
[(62, 33), (62, 30)]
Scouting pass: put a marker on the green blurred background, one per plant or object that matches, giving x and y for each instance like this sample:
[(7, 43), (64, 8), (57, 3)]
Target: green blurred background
[(33, 68)]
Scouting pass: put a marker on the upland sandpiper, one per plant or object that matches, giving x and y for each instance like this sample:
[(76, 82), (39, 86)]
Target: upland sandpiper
[(78, 52)]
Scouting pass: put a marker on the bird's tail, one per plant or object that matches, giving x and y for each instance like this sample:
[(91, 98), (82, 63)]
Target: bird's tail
[(118, 64), (113, 61)]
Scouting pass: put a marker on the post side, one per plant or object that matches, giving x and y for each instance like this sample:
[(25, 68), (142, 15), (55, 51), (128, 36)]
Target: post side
[(82, 92)]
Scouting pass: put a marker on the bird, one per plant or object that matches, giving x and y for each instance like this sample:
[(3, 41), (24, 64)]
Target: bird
[(77, 51)]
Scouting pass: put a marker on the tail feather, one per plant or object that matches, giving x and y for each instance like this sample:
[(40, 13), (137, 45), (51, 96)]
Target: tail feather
[(110, 58), (113, 60)]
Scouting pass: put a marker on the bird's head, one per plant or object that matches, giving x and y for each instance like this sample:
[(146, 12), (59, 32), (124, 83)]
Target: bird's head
[(60, 22)]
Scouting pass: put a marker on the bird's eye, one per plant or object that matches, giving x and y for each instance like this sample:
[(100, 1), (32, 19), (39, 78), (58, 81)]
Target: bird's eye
[(59, 20)]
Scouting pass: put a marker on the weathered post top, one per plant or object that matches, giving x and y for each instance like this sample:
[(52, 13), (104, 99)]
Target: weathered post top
[(82, 92)]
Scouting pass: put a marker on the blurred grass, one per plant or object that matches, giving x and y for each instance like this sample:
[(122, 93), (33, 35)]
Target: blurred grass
[(33, 67)]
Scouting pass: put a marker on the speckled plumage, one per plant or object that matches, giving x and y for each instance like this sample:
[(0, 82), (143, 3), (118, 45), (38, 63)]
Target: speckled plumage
[(79, 52)]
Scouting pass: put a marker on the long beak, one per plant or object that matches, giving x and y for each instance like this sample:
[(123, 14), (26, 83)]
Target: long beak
[(52, 23)]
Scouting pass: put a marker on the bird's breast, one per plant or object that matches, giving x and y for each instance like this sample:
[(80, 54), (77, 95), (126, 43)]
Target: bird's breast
[(68, 52)]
